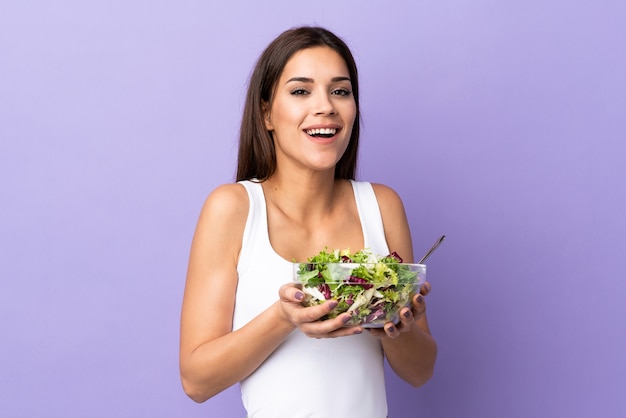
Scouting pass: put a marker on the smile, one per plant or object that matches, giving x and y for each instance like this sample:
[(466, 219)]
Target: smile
[(322, 132)]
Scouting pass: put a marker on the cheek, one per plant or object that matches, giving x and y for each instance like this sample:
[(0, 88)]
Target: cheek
[(284, 115), (349, 113), (350, 120)]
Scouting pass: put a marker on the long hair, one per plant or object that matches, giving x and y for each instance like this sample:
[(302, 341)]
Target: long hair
[(257, 157)]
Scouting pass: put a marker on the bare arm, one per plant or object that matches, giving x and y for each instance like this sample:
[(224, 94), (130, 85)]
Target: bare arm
[(212, 356), (409, 347)]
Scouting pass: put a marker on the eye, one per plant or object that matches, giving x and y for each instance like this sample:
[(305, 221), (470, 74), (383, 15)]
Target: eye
[(341, 92), (299, 92)]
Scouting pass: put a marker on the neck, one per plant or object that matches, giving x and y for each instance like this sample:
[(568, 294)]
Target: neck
[(304, 196)]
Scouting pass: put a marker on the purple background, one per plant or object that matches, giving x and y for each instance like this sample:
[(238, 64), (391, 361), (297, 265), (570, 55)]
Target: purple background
[(501, 124)]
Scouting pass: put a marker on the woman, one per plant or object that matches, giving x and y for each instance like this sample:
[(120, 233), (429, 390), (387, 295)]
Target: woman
[(242, 319)]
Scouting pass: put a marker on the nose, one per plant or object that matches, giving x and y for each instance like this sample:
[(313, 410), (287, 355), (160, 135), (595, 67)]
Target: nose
[(324, 105)]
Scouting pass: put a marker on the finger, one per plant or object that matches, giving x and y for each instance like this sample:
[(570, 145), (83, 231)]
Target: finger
[(342, 332), (425, 288), (391, 330), (314, 313), (382, 333), (406, 318), (330, 328), (419, 305), (291, 292)]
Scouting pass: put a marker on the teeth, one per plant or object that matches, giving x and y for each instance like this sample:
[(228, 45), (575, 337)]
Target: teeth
[(323, 131)]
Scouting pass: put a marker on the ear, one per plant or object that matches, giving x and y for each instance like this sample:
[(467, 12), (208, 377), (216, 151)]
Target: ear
[(267, 118)]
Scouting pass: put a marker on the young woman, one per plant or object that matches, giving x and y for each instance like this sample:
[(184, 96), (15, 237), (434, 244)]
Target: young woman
[(242, 319)]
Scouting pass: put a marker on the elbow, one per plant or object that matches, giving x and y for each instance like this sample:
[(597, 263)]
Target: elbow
[(199, 387), (195, 392), (416, 377), (421, 379)]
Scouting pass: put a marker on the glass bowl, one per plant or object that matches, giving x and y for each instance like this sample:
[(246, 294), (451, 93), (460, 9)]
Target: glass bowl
[(373, 293)]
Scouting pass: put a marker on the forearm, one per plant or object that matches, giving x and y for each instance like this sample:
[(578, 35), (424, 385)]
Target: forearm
[(224, 361), (412, 355)]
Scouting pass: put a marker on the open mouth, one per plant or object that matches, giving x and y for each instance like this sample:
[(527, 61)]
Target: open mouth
[(322, 132)]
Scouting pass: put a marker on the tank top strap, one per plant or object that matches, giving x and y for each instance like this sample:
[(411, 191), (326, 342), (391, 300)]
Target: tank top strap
[(255, 244), (371, 219)]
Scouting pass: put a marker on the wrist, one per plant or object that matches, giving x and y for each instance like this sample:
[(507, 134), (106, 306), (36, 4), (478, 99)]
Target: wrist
[(282, 320)]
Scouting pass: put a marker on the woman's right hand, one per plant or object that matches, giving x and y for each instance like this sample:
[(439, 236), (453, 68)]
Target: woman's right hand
[(307, 319)]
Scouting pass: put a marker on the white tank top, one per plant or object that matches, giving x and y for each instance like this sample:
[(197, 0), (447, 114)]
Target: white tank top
[(307, 377)]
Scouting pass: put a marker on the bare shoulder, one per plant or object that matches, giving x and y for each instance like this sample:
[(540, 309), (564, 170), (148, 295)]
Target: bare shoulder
[(387, 197), (227, 199), (384, 189), (223, 218)]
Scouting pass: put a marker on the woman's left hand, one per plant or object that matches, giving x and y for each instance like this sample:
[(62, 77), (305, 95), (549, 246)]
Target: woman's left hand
[(408, 316)]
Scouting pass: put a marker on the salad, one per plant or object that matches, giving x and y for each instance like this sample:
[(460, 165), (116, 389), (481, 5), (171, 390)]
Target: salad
[(372, 289)]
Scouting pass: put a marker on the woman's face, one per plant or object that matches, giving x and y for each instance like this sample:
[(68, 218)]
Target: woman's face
[(313, 110)]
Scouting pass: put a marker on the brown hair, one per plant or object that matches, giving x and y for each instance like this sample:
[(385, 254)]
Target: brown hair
[(257, 158)]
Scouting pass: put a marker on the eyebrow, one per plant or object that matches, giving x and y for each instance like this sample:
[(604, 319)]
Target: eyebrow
[(310, 80)]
